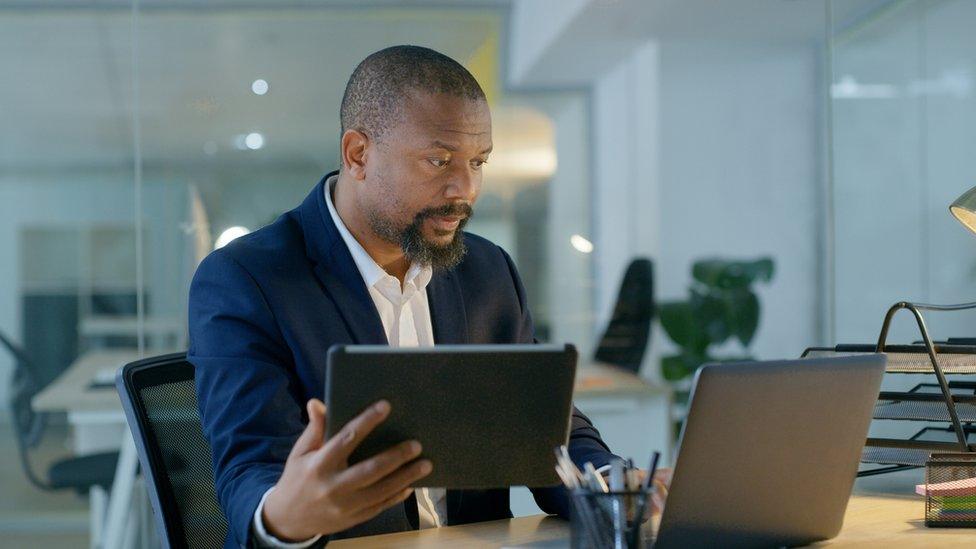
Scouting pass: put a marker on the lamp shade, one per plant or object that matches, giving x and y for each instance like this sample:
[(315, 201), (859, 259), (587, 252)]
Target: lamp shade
[(964, 209)]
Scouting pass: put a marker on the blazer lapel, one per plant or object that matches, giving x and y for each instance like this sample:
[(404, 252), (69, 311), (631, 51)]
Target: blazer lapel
[(336, 270), (349, 293), (447, 315)]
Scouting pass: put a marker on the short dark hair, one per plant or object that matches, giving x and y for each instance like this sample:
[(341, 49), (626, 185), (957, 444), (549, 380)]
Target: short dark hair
[(374, 95)]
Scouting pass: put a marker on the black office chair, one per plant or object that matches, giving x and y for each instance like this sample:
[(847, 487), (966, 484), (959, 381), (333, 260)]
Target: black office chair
[(160, 405), (626, 338), (79, 473)]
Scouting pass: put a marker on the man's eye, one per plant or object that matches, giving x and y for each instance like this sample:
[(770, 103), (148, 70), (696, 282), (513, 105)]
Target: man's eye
[(438, 162), (477, 164)]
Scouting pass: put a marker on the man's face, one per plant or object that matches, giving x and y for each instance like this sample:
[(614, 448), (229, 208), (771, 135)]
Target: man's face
[(424, 175)]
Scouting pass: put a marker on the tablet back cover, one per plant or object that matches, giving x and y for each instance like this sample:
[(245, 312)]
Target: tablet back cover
[(487, 416)]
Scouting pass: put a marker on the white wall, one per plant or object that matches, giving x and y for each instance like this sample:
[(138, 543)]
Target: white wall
[(534, 26), (739, 175), (702, 144), (627, 186), (711, 149)]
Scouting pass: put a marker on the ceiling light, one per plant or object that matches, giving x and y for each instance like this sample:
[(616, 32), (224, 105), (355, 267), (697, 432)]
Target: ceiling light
[(230, 234), (254, 141), (260, 87), (581, 244)]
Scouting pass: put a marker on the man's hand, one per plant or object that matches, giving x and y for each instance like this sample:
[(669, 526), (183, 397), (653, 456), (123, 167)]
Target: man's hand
[(319, 493), (661, 482)]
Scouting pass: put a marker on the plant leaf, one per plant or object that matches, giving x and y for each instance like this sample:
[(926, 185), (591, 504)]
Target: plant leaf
[(745, 305), (712, 314), (682, 326), (673, 368), (708, 271), (732, 274), (678, 367)]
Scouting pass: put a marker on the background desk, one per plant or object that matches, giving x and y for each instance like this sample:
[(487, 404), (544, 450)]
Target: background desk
[(98, 424), (871, 521), (95, 414)]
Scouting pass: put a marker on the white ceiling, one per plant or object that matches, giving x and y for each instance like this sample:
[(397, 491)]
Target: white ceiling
[(66, 90), (604, 30), (66, 67)]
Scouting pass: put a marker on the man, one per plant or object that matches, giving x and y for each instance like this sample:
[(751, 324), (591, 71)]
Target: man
[(374, 255)]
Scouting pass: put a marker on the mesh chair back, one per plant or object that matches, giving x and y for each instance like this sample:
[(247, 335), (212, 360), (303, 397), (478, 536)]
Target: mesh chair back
[(625, 339), (161, 408)]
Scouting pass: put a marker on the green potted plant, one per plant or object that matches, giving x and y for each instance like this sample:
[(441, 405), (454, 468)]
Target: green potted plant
[(721, 305)]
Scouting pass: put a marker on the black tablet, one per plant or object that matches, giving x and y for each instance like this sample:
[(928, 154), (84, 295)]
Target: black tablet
[(488, 416)]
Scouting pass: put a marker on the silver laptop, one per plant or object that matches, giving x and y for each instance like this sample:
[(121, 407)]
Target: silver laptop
[(769, 452)]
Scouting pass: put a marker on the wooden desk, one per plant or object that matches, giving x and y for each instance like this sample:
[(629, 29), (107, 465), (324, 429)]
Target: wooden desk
[(871, 521), (498, 533), (894, 521), (598, 379)]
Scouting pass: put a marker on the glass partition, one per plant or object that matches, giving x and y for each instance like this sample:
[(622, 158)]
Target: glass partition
[(904, 138), (67, 239)]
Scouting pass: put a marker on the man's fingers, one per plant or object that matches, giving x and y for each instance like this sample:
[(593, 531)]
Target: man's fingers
[(664, 475), (374, 469), (373, 510), (393, 483), (336, 450), (659, 493), (660, 487), (657, 505), (311, 438)]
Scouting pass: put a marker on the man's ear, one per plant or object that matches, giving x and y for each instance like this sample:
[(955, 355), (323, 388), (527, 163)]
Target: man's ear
[(353, 149)]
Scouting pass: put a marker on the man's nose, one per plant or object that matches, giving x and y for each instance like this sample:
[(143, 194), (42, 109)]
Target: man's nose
[(465, 185)]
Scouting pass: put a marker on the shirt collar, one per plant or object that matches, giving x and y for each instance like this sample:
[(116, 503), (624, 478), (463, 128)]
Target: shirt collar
[(369, 269)]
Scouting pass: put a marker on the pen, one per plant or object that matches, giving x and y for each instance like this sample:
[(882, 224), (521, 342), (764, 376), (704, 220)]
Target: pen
[(649, 479), (617, 485), (595, 480), (646, 489)]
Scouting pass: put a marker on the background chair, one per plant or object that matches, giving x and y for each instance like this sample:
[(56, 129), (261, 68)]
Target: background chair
[(625, 340), (160, 405), (79, 473)]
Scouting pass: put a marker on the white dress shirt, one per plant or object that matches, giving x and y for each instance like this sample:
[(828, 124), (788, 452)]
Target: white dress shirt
[(405, 314)]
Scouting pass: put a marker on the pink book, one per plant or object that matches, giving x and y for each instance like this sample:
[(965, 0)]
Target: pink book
[(964, 487)]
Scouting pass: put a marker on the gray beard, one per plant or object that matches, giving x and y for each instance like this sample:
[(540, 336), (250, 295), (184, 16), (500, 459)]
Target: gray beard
[(416, 248)]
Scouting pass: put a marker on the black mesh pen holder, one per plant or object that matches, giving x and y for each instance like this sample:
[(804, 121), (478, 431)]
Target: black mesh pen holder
[(614, 520), (950, 490)]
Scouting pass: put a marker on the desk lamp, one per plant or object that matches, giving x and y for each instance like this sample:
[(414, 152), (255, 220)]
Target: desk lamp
[(964, 209)]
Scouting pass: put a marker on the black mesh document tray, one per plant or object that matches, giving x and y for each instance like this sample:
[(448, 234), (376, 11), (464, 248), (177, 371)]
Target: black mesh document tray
[(952, 403)]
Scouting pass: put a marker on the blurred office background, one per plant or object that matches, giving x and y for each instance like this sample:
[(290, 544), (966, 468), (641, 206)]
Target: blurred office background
[(829, 136)]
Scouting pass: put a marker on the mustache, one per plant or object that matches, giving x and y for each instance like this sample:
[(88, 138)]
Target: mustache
[(457, 209)]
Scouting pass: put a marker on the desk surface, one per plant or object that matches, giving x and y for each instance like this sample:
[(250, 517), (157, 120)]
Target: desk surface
[(871, 521), (71, 392), (599, 379)]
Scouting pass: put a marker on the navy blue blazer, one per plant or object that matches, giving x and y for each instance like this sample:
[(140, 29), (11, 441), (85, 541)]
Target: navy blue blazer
[(264, 311)]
